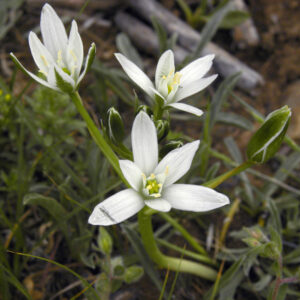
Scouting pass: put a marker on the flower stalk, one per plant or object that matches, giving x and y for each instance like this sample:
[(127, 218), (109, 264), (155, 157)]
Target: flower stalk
[(97, 136), (163, 261), (220, 179)]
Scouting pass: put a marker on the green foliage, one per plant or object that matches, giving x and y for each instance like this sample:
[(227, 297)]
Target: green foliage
[(52, 174), (200, 15), (9, 15)]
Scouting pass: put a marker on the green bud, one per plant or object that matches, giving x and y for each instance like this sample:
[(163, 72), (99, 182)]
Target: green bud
[(115, 126), (162, 127), (133, 274), (268, 138), (169, 147), (145, 109), (117, 266), (90, 57), (105, 242), (251, 242)]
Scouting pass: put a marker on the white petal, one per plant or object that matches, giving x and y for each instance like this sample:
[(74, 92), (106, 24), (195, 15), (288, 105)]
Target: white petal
[(159, 204), (187, 108), (75, 51), (144, 143), (33, 76), (165, 65), (158, 93), (136, 74), (53, 31), (132, 173), (194, 87), (40, 54), (177, 162), (194, 197), (42, 81), (196, 69), (117, 208), (51, 76)]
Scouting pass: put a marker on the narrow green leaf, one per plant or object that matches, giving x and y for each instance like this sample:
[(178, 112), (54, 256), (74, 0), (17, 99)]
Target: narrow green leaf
[(144, 258), (51, 205), (235, 120), (234, 18), (125, 46), (221, 96), (161, 34), (15, 282), (89, 288), (210, 29)]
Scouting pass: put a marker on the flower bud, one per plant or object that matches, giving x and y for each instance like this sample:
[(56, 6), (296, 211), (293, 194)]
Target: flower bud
[(162, 128), (170, 146), (268, 138), (133, 274), (105, 242), (144, 108), (115, 126)]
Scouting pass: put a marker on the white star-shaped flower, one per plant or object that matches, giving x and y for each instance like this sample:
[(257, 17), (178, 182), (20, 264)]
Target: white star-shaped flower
[(152, 182), (60, 56), (172, 86)]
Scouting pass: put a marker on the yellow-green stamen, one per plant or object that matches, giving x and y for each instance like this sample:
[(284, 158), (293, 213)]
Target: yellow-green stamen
[(153, 186)]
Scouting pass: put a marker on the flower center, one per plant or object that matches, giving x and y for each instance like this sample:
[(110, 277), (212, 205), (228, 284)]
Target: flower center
[(152, 185), (173, 80)]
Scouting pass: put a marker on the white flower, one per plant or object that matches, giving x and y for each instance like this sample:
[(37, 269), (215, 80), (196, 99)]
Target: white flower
[(60, 58), (172, 86), (152, 183)]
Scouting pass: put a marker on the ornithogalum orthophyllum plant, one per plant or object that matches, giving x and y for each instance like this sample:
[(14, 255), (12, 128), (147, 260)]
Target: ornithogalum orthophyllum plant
[(151, 182)]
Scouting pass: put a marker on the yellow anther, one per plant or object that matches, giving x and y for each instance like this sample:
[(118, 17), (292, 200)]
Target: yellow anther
[(159, 185), (149, 187), (167, 170), (152, 176), (59, 57), (171, 72), (44, 60), (176, 78), (73, 55), (164, 77), (156, 195), (144, 176)]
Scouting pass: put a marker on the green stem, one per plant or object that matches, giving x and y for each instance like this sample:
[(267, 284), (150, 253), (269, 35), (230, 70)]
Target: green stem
[(199, 257), (97, 136), (171, 263), (158, 108), (184, 233), (220, 179)]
